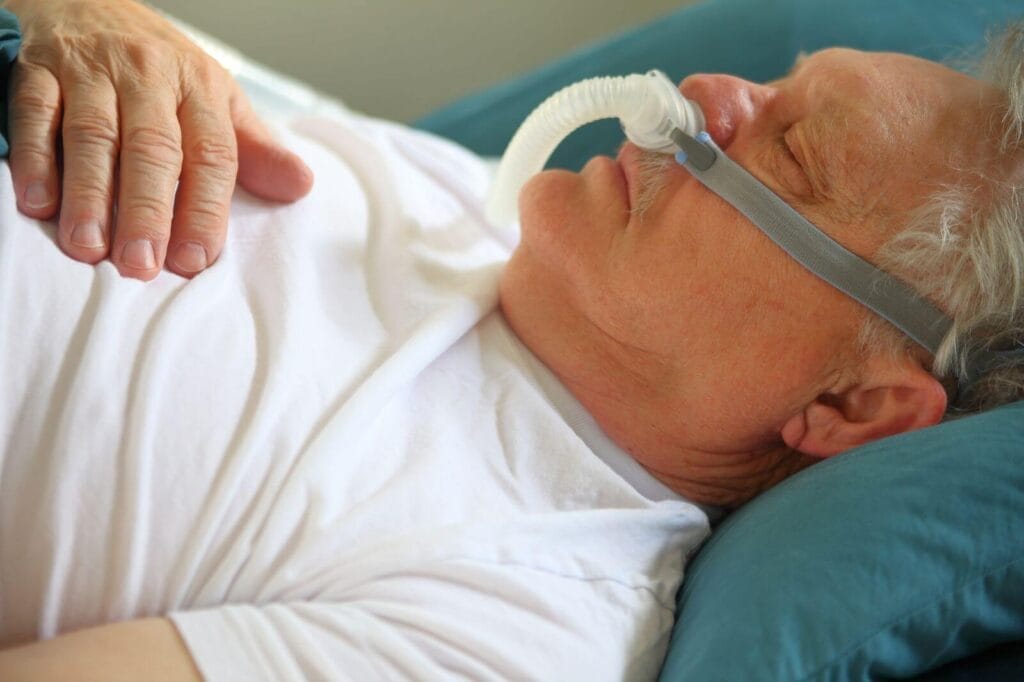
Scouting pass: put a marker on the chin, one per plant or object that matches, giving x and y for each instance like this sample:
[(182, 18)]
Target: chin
[(533, 305), (509, 287)]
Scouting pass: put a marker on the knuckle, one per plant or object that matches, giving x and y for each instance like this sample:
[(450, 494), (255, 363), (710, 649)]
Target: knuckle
[(161, 146), (213, 155), (146, 217), (28, 156), (143, 56), (86, 192), (38, 53), (31, 104), (205, 217), (91, 126), (206, 72), (79, 56)]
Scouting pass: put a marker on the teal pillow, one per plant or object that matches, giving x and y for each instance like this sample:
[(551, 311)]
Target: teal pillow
[(884, 562)]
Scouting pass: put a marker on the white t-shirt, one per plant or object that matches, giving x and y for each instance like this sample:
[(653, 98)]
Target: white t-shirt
[(326, 457)]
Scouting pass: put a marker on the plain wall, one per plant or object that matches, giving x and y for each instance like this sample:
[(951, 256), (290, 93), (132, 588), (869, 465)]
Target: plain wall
[(402, 58)]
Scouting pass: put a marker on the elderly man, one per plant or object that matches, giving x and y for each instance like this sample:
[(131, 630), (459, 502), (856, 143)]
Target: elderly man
[(329, 455)]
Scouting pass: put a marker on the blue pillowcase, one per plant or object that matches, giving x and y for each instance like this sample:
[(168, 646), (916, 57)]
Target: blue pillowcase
[(883, 562)]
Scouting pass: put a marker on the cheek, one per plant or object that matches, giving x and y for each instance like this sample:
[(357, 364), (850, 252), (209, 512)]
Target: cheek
[(675, 254), (699, 274)]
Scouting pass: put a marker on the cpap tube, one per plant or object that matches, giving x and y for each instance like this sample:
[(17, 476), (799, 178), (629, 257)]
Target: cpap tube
[(649, 107)]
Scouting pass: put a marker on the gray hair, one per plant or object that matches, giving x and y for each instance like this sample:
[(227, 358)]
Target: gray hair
[(968, 256)]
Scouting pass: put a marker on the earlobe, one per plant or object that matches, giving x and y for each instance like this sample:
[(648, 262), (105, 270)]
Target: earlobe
[(896, 397)]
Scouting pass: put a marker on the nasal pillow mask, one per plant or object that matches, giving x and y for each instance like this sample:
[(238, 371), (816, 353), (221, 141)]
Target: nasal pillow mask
[(656, 117)]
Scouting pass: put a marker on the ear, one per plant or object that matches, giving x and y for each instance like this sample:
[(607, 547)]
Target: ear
[(894, 396)]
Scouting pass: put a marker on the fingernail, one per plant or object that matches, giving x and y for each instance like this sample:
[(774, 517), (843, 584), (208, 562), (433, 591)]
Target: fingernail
[(139, 254), (36, 195), (190, 257), (87, 235)]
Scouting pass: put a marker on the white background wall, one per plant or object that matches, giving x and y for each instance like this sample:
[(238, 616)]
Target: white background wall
[(402, 58)]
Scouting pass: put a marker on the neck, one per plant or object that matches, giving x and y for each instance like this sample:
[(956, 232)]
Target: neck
[(719, 477), (633, 396), (730, 480)]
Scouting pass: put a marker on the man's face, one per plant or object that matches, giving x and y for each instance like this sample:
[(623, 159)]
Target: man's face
[(688, 334)]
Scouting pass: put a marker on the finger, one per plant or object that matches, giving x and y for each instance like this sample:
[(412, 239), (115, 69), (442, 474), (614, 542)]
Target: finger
[(34, 121), (90, 135), (148, 170), (207, 183), (265, 168)]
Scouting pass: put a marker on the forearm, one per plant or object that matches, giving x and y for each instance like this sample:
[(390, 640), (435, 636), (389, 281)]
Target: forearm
[(148, 649)]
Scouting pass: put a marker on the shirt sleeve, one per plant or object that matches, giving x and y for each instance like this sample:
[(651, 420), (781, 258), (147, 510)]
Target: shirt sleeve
[(465, 619), (10, 42)]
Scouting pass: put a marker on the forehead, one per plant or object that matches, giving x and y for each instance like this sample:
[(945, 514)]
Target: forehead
[(892, 98), (887, 127), (873, 74)]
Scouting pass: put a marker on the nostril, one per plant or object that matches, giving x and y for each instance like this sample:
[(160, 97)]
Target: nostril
[(719, 125), (717, 97), (727, 102), (719, 122)]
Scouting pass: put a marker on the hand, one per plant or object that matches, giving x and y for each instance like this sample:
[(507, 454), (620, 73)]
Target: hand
[(137, 108)]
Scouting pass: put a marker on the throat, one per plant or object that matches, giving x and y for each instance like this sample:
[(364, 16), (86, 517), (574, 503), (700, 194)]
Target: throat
[(728, 480)]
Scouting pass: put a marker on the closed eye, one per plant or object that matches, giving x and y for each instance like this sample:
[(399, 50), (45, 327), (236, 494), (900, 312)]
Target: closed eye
[(804, 153), (792, 171)]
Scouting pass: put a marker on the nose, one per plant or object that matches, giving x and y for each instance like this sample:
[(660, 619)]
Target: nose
[(728, 103)]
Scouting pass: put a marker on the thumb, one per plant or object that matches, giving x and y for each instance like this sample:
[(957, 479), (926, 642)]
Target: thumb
[(265, 168)]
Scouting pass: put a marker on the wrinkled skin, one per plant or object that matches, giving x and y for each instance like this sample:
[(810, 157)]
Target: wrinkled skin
[(111, 105), (711, 356)]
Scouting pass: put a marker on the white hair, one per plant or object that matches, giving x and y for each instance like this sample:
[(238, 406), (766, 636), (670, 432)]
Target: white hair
[(964, 249)]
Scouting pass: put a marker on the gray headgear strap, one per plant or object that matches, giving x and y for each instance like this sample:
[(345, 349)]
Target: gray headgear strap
[(822, 255)]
